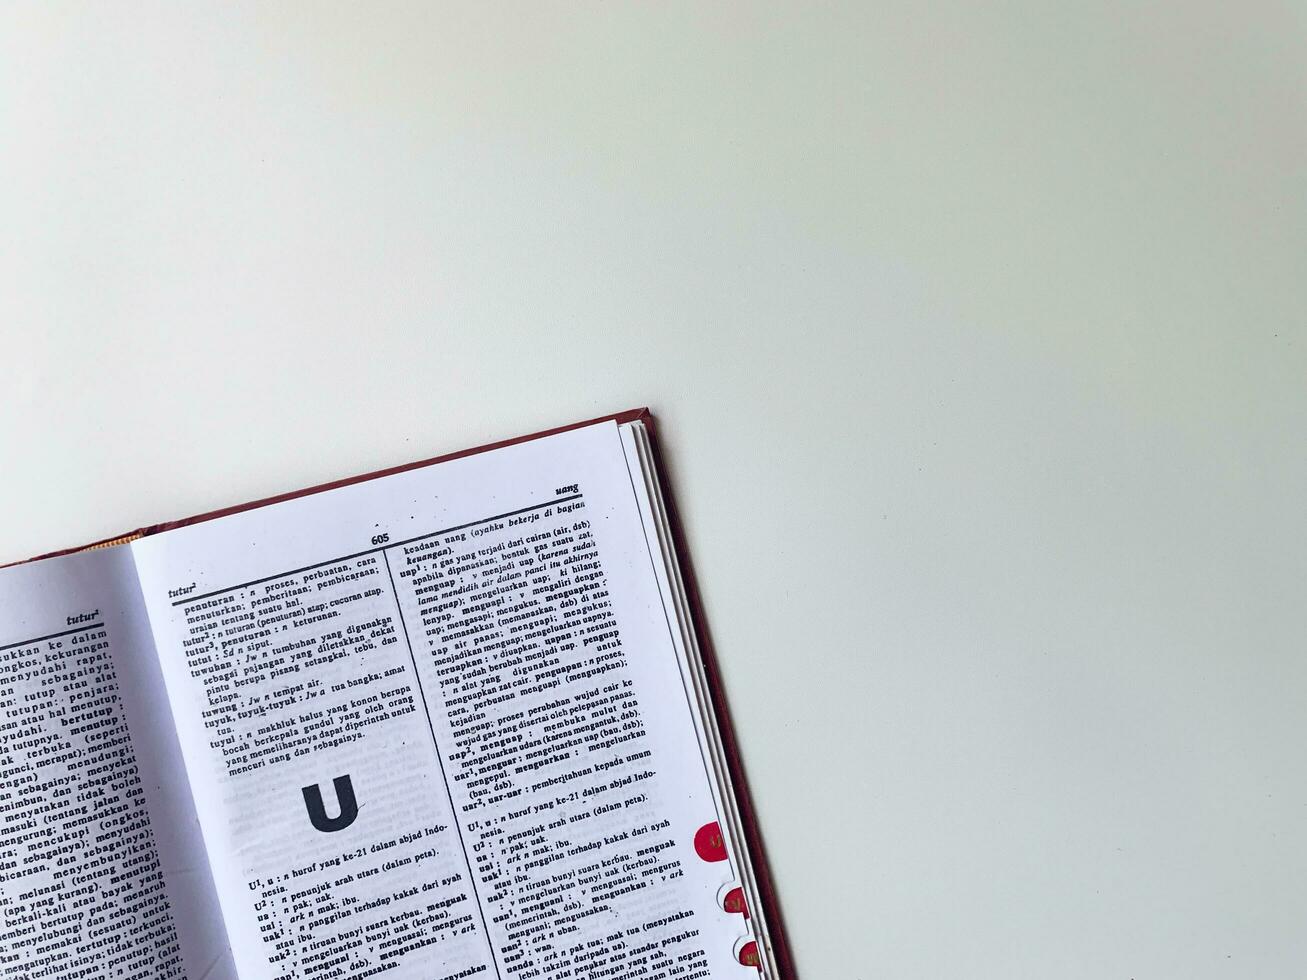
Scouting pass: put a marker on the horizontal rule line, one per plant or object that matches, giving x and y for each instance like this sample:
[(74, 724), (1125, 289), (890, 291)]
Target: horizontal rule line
[(372, 551), (53, 636)]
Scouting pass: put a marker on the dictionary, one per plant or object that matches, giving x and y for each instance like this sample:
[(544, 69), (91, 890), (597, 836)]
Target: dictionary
[(456, 719)]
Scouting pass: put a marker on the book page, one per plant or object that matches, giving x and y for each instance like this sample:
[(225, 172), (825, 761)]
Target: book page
[(102, 869), (436, 727)]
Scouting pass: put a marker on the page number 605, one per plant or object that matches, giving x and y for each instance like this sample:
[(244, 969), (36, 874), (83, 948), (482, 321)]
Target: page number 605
[(380, 538)]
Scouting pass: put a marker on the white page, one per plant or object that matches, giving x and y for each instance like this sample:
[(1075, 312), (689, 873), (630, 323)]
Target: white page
[(522, 808), (103, 868)]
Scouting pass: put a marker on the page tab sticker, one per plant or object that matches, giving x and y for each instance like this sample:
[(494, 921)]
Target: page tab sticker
[(748, 954), (709, 843), (734, 902)]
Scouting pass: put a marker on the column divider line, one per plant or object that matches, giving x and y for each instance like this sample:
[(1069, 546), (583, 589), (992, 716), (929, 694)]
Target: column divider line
[(440, 761)]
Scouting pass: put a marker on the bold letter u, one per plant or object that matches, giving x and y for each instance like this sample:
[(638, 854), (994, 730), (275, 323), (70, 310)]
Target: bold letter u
[(344, 796)]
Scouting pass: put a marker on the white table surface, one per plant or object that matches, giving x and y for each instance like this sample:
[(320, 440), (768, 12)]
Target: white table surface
[(978, 335)]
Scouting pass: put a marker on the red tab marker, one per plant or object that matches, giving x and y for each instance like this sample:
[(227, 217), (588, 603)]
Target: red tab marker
[(709, 843), (749, 955), (734, 902)]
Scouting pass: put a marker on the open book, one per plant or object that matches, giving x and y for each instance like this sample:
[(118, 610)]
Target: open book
[(450, 721)]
